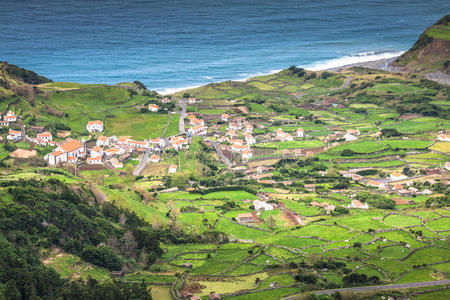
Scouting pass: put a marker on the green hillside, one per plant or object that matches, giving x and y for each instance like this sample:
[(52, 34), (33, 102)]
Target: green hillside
[(431, 52)]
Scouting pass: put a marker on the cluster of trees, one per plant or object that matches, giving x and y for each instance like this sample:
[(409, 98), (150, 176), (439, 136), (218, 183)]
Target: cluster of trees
[(44, 214), (376, 200)]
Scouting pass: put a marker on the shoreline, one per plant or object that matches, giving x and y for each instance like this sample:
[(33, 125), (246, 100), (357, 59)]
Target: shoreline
[(378, 64)]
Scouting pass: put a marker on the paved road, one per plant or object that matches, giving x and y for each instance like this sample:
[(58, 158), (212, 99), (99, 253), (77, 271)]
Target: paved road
[(381, 287), (142, 163), (181, 128)]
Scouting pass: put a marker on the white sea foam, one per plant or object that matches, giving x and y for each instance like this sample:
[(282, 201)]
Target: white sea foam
[(317, 66), (351, 59)]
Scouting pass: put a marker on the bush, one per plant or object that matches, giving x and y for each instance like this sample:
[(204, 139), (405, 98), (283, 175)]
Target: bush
[(10, 147), (102, 256)]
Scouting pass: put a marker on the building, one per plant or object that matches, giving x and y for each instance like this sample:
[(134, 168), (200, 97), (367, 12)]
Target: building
[(246, 218), (45, 136), (14, 135), (234, 126), (236, 147), (154, 158), (447, 165), (116, 163), (137, 144), (353, 131), (112, 151), (102, 141), (260, 205), (96, 160), (69, 152), (94, 126), (300, 132), (283, 136), (96, 151), (10, 117), (248, 127), (172, 169), (192, 100), (398, 176), (197, 130), (444, 137), (231, 133), (359, 204), (377, 184), (247, 154), (4, 123), (349, 137), (225, 117), (249, 139), (153, 107)]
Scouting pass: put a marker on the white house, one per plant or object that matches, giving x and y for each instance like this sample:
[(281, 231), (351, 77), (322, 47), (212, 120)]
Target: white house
[(96, 151), (353, 131), (234, 126), (283, 136), (172, 169), (137, 144), (94, 126), (4, 123), (192, 100), (398, 176), (249, 139), (154, 158), (350, 137), (359, 204), (225, 117), (14, 135), (239, 148), (116, 163), (96, 160), (247, 154), (10, 117), (177, 142), (67, 152), (102, 141), (260, 205), (153, 107), (197, 130), (158, 141), (248, 128), (447, 165), (444, 137), (300, 132), (45, 136)]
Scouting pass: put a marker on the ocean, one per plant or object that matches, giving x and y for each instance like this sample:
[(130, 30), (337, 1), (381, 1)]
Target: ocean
[(172, 44)]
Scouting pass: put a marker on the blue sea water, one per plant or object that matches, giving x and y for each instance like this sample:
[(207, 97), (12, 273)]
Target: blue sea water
[(172, 44)]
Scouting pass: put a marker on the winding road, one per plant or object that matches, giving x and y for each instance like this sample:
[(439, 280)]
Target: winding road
[(380, 287)]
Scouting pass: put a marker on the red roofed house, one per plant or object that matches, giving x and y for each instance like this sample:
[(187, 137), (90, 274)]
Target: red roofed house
[(192, 100), (359, 204), (246, 218), (96, 151), (377, 184), (225, 117), (14, 135), (447, 165), (97, 160), (248, 127), (249, 138), (153, 107), (45, 136), (154, 158), (444, 137), (102, 141), (172, 168), (10, 117), (72, 149), (197, 130), (300, 132), (247, 154), (94, 126)]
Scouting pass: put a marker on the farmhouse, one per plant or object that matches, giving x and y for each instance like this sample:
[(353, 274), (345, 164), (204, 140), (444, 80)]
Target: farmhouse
[(350, 137), (444, 137), (359, 204), (116, 163), (94, 126), (246, 218), (260, 205), (14, 135), (10, 117), (249, 138), (45, 136), (72, 149), (94, 160), (153, 107), (154, 158), (172, 169), (283, 136), (398, 176), (377, 184), (300, 132), (225, 117), (247, 154)]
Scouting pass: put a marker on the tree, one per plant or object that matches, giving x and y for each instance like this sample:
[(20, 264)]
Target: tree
[(271, 222)]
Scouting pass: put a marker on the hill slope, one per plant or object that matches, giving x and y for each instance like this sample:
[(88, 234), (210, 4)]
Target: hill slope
[(431, 52)]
